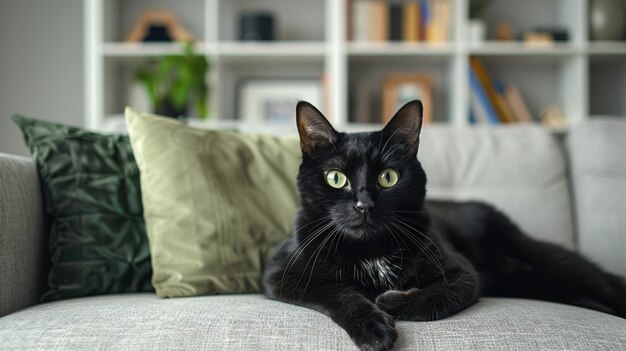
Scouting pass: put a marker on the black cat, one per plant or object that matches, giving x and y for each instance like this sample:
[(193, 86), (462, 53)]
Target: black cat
[(368, 249)]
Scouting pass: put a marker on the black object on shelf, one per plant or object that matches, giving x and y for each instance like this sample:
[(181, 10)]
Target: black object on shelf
[(157, 33), (256, 26), (395, 22)]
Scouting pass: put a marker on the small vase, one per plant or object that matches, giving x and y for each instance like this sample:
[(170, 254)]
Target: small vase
[(606, 19), (476, 31)]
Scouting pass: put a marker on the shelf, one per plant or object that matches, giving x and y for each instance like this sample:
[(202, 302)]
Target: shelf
[(608, 48), (522, 49), (271, 50), (117, 123), (113, 49), (583, 77), (364, 49)]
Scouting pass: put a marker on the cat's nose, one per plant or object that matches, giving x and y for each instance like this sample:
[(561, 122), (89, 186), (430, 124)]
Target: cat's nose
[(363, 207)]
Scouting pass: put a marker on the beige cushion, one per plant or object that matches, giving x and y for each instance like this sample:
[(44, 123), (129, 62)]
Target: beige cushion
[(216, 203)]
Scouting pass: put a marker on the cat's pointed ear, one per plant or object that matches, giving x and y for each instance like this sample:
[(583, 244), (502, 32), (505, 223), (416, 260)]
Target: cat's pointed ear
[(406, 124), (314, 129)]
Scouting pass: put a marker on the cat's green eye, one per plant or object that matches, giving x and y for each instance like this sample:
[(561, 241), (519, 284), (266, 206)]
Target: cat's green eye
[(388, 178), (336, 179)]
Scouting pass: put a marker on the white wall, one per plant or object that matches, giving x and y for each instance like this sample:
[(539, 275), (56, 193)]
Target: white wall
[(41, 65)]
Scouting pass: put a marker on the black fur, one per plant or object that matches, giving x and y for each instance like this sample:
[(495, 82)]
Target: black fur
[(404, 258)]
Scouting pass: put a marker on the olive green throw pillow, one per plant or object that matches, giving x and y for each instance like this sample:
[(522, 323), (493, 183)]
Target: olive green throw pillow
[(216, 203), (90, 181)]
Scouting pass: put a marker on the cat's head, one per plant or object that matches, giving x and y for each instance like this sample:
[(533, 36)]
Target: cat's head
[(363, 182)]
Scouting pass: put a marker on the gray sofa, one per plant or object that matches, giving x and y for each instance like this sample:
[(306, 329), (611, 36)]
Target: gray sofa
[(571, 192)]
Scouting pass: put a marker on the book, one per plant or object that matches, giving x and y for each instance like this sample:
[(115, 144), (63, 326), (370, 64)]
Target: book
[(379, 20), (326, 83), (360, 21), (513, 96), (442, 19), (349, 8), (361, 102), (481, 107), (395, 22), (411, 21), (433, 30), (485, 81), (499, 86), (425, 17)]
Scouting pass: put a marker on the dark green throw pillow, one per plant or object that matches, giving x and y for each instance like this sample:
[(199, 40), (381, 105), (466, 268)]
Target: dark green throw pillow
[(98, 242)]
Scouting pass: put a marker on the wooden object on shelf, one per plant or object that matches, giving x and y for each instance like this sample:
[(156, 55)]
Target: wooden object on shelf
[(538, 39), (400, 88), (518, 105), (165, 18), (504, 32), (552, 117)]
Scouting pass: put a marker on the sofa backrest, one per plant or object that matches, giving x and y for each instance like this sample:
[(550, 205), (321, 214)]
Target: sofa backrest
[(520, 169), (598, 163)]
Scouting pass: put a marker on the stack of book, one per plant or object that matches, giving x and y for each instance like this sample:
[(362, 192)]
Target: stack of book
[(409, 21), (493, 102)]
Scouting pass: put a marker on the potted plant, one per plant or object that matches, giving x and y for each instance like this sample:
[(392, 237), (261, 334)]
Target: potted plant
[(174, 82), (477, 28)]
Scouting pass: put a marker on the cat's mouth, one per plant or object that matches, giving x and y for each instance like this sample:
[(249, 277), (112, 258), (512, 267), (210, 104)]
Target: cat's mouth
[(362, 223)]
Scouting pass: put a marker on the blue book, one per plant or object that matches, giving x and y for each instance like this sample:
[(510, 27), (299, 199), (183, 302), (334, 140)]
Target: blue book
[(425, 20), (472, 116), (479, 101)]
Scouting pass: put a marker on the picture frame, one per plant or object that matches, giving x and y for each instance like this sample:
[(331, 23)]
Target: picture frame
[(398, 89), (273, 100)]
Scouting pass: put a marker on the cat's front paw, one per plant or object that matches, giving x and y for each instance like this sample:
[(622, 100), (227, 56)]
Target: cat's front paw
[(395, 302), (374, 330)]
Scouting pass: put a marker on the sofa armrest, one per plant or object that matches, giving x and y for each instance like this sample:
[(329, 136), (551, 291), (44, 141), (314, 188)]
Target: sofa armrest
[(23, 236), (598, 166)]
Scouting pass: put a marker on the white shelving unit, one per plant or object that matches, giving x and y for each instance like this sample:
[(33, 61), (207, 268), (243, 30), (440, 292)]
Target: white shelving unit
[(582, 77)]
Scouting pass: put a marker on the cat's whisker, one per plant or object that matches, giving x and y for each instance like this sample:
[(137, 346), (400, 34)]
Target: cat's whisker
[(392, 134), (430, 254), (420, 233), (425, 249), (302, 246), (393, 235), (310, 238), (331, 243), (316, 230), (391, 150), (295, 232), (332, 234), (340, 237)]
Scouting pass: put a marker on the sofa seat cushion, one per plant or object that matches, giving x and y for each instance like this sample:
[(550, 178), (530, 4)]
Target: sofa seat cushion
[(252, 322)]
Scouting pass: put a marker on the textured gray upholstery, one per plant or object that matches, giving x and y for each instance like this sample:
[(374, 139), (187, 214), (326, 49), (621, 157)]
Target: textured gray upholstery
[(251, 322), (22, 235), (519, 169), (598, 163)]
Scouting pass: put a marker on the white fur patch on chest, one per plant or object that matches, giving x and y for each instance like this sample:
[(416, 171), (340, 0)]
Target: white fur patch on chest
[(379, 271)]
